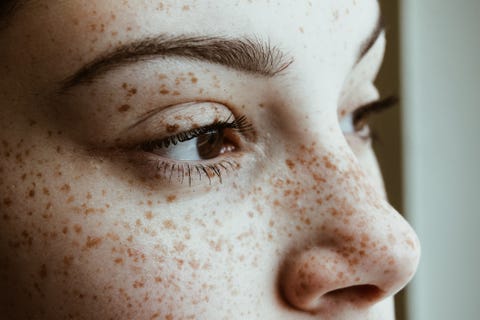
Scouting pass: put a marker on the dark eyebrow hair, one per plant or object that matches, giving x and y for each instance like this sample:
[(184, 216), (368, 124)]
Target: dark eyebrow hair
[(248, 55), (372, 39)]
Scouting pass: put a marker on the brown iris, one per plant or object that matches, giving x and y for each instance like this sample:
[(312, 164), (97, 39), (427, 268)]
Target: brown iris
[(210, 144)]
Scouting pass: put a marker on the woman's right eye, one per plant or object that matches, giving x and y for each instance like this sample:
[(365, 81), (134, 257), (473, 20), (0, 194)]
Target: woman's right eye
[(198, 144), (199, 151), (205, 146)]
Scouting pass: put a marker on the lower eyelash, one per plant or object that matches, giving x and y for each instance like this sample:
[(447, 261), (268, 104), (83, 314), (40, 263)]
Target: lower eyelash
[(183, 171)]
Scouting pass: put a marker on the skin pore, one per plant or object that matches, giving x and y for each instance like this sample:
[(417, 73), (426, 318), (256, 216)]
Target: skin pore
[(111, 207)]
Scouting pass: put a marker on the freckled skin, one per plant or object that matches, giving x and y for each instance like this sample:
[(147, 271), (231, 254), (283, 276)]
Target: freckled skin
[(93, 228)]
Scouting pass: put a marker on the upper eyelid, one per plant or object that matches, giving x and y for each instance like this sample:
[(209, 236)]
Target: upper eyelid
[(374, 107), (240, 124)]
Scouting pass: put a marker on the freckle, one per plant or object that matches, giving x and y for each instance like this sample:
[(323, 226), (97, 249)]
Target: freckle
[(186, 8), (67, 261), (7, 202), (31, 193), (164, 91), (65, 188), (77, 228), (93, 242), (132, 92), (179, 246), (391, 239), (118, 261), (410, 243), (138, 284), (194, 80), (176, 93), (43, 271), (123, 108), (65, 230), (168, 224), (70, 199), (172, 128), (149, 215), (171, 198), (334, 212), (290, 164)]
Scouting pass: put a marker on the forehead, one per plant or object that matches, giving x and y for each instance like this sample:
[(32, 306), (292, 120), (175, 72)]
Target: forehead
[(280, 19), (321, 35)]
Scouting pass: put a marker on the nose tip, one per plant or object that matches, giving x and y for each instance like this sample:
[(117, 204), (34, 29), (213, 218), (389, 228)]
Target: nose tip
[(327, 278)]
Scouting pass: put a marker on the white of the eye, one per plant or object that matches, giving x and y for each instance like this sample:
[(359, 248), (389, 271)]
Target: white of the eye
[(346, 124), (186, 150)]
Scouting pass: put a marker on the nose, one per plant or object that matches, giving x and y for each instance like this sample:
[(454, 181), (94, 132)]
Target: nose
[(359, 251)]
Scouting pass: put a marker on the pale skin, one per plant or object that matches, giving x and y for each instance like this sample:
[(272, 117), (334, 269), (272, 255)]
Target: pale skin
[(95, 226)]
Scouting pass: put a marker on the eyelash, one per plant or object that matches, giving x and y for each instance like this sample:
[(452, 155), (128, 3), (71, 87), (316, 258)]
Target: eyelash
[(241, 125), (361, 116), (187, 169)]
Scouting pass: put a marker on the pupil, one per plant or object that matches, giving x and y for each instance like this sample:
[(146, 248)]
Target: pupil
[(209, 145)]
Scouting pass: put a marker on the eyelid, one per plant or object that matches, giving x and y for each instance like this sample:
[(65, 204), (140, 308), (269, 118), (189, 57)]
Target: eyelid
[(361, 115), (239, 124), (163, 122)]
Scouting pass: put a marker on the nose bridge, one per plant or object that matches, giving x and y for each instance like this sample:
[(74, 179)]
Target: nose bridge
[(338, 192), (363, 250)]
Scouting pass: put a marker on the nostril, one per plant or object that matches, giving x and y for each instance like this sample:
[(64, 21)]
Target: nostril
[(359, 294)]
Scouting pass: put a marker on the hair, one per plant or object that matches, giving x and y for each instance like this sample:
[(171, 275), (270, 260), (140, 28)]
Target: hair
[(7, 10)]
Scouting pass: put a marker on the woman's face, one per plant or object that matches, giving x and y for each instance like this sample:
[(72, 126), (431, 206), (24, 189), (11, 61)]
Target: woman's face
[(194, 160)]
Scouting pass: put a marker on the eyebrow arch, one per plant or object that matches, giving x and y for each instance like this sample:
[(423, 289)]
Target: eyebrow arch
[(372, 39), (248, 55)]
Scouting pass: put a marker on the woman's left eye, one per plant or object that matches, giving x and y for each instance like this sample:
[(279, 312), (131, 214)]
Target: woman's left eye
[(350, 126), (356, 122)]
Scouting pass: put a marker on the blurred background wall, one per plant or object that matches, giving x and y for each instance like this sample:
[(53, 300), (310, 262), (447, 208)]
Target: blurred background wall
[(441, 130), (429, 149), (387, 126)]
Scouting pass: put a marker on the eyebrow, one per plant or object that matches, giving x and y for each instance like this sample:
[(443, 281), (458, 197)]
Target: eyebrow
[(252, 56), (372, 38)]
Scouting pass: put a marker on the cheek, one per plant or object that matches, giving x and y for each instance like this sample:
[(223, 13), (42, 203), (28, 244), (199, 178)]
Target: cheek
[(71, 235)]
